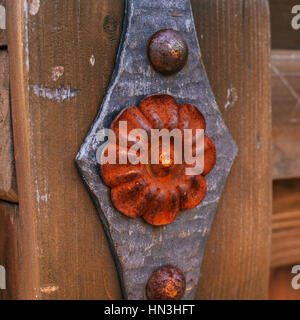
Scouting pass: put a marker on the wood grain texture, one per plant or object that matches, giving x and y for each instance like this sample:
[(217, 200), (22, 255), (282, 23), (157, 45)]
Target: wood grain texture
[(3, 40), (65, 254), (235, 42), (10, 247), (281, 285), (286, 223), (8, 185), (286, 113), (283, 35)]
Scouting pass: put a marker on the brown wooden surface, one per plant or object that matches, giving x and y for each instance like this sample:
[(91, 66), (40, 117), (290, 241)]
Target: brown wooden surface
[(283, 35), (65, 253), (286, 113), (234, 39), (286, 223), (281, 284), (10, 226), (3, 40), (8, 185)]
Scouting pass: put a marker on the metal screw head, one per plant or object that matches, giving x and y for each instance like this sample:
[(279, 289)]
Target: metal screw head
[(167, 283), (167, 51)]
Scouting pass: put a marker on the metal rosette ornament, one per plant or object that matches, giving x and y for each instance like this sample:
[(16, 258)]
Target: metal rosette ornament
[(157, 191)]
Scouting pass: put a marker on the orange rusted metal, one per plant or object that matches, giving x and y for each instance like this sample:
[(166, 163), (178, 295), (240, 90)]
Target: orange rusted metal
[(157, 192), (167, 283)]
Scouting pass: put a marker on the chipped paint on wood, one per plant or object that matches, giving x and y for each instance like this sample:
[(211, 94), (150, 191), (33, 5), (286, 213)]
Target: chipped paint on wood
[(232, 98), (57, 72), (2, 278), (49, 289), (26, 35), (92, 60), (57, 94), (2, 18), (34, 7), (42, 197)]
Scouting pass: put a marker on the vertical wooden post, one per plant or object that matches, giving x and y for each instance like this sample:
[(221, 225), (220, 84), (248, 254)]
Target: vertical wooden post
[(61, 57), (235, 42)]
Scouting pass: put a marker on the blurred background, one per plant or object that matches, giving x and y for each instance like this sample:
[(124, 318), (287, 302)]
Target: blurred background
[(286, 149)]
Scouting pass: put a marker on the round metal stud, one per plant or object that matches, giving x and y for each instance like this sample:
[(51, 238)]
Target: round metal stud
[(167, 51), (167, 283)]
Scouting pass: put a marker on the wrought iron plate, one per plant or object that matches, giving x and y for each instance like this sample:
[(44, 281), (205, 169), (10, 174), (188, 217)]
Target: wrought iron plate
[(139, 248)]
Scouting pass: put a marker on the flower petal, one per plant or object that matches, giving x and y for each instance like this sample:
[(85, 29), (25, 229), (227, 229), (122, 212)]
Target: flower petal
[(131, 198), (192, 192), (190, 118), (210, 155), (135, 120), (116, 174), (163, 209), (161, 110)]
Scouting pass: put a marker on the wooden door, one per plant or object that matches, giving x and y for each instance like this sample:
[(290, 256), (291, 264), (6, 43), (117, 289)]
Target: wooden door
[(61, 55)]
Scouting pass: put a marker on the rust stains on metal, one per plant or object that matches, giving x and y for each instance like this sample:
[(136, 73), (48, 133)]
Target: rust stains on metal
[(157, 191), (167, 283), (167, 51)]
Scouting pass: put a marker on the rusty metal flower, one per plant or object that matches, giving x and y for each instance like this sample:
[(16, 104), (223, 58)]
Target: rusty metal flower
[(157, 192)]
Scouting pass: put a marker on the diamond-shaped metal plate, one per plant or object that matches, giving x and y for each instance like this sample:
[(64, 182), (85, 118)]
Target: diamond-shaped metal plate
[(139, 248)]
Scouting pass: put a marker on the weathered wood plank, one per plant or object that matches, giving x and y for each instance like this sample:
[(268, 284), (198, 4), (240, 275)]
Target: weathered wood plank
[(66, 255), (8, 185), (10, 248), (286, 223), (286, 113), (3, 40), (283, 35), (234, 38)]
